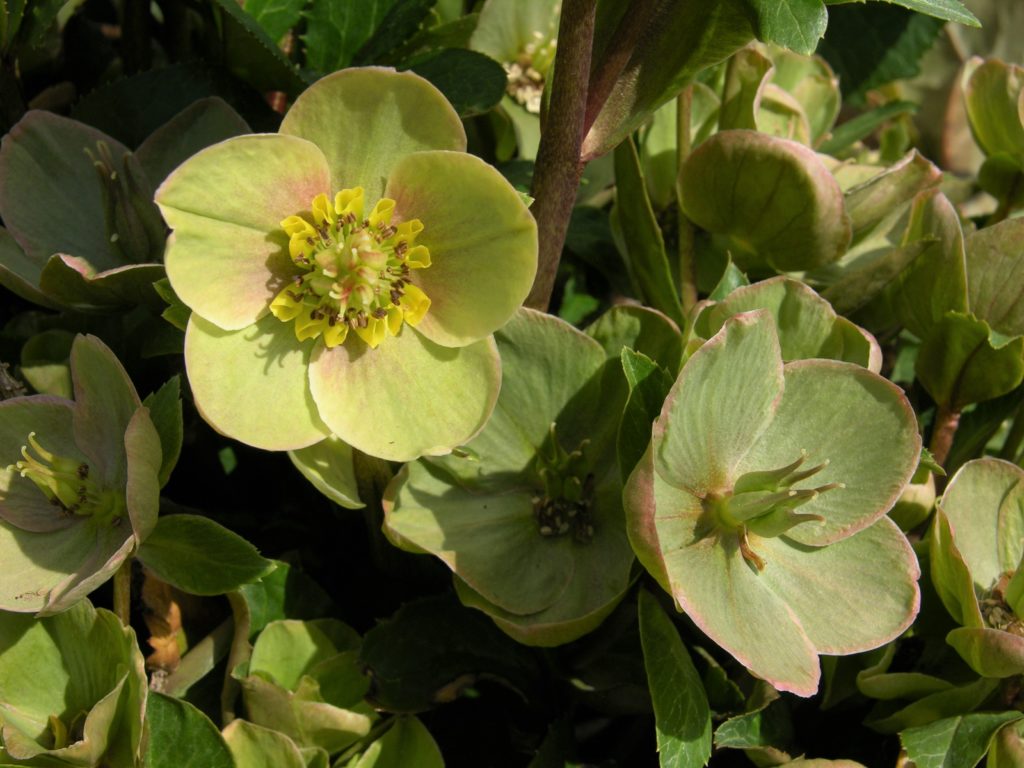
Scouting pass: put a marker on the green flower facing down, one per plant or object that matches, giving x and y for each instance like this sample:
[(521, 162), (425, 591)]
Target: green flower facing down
[(530, 521), (760, 504), (976, 548), (346, 273), (79, 484), (72, 690)]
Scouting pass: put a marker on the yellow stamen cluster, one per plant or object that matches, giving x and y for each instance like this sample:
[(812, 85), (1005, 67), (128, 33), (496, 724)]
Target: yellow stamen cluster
[(355, 271), (68, 484)]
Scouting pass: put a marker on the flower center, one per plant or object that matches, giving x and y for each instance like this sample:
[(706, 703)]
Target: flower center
[(764, 503), (68, 484), (526, 73), (997, 608), (355, 271), (565, 504)]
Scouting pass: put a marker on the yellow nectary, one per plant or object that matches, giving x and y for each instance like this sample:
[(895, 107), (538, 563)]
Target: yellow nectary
[(356, 271)]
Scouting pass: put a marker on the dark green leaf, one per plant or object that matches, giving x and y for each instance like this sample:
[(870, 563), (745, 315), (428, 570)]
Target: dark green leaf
[(643, 243), (649, 384), (402, 21), (429, 650), (979, 425), (472, 82), (177, 312), (180, 736), (869, 46), (863, 125), (250, 54), (201, 557), (767, 727), (576, 304), (165, 411), (950, 10), (795, 24), (275, 16), (335, 31), (732, 278), (681, 714), (956, 742)]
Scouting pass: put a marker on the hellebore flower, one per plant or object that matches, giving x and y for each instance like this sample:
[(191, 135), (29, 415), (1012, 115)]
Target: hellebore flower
[(346, 274), (72, 690), (532, 524), (760, 504), (79, 484), (976, 550), (81, 227)]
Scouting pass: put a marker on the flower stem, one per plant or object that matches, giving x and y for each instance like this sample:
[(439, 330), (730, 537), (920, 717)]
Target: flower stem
[(943, 429), (687, 258), (123, 592), (558, 169)]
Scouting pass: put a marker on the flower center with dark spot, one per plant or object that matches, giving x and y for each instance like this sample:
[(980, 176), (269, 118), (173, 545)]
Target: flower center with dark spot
[(565, 505)]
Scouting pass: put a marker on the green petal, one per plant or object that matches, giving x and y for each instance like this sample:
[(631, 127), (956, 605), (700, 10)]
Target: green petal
[(481, 237), (723, 399), (984, 502), (253, 746), (549, 374), (74, 282), (228, 256), (366, 120), (50, 196), (864, 587), (807, 325), (328, 466), (859, 422), (110, 548), (287, 650), (20, 273), (774, 198), (142, 490), (22, 504), (992, 97), (37, 563), (407, 398), (712, 583), (251, 384), (989, 652), (105, 402), (995, 276), (478, 535), (507, 27)]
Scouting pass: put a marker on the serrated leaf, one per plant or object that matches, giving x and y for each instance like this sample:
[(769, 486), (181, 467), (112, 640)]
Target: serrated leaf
[(795, 24), (402, 21), (335, 31), (869, 46), (956, 742), (681, 713), (165, 411), (472, 82), (180, 736), (201, 557), (276, 16), (949, 10)]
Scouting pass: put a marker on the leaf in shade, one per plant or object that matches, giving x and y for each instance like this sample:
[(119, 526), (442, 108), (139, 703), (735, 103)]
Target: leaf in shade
[(201, 557), (335, 31), (472, 82), (681, 712), (276, 16), (165, 411), (284, 593), (649, 383), (402, 21)]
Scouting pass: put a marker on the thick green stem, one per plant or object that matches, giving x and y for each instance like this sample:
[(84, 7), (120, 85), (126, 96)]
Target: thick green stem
[(943, 430), (123, 592), (558, 169), (687, 258)]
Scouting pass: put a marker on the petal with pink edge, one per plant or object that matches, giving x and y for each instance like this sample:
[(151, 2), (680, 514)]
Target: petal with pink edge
[(251, 384), (228, 256), (366, 120), (407, 398), (481, 237)]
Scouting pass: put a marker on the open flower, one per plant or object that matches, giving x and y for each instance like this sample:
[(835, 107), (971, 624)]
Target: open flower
[(532, 524), (79, 484), (72, 690), (346, 273), (760, 504), (976, 552)]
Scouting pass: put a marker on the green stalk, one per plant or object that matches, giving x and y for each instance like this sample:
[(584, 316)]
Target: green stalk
[(123, 592)]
